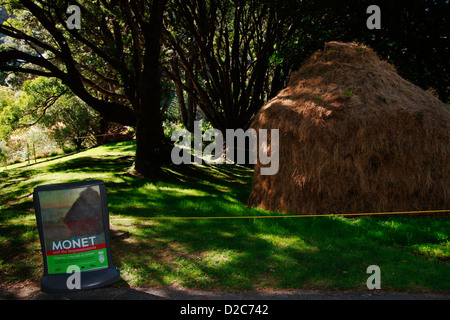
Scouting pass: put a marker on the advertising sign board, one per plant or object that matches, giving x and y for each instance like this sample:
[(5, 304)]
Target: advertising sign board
[(73, 225)]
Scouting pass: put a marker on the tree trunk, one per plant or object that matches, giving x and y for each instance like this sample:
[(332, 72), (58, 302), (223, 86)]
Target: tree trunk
[(191, 108), (151, 152), (179, 93), (150, 148)]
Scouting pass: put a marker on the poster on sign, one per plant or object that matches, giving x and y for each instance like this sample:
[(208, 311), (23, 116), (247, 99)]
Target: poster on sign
[(73, 227)]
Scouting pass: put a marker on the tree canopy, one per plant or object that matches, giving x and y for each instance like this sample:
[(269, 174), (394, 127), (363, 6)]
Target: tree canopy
[(227, 57), (112, 63)]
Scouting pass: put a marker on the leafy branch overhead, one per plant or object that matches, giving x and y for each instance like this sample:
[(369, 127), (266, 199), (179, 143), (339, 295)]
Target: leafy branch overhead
[(100, 63), (112, 64), (233, 42), (226, 58)]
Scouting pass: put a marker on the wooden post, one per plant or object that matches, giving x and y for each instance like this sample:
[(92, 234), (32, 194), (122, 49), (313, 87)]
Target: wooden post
[(34, 152), (28, 153)]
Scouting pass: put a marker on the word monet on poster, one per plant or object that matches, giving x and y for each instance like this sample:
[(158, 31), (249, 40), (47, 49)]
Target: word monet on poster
[(73, 225)]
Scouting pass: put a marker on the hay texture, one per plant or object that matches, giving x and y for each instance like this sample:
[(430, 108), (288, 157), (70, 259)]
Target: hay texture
[(355, 137)]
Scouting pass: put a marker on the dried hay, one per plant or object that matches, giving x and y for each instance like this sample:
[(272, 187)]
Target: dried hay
[(354, 137)]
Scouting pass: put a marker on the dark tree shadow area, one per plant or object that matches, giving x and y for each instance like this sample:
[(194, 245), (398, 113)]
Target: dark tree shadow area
[(228, 254)]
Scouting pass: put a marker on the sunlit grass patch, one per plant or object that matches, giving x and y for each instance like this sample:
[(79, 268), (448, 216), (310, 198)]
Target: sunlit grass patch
[(436, 252), (192, 229)]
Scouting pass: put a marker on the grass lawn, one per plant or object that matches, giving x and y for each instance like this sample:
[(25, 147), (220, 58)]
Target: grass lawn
[(330, 253)]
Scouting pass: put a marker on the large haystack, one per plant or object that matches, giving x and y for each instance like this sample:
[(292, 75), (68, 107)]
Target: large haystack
[(355, 137)]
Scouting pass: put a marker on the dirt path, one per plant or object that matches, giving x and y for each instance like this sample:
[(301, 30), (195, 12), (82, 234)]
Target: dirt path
[(174, 293)]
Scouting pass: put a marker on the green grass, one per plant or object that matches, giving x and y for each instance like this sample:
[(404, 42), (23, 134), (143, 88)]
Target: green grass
[(28, 163), (330, 253)]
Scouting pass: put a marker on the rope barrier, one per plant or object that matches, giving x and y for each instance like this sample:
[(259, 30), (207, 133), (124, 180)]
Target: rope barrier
[(286, 216), (262, 217), (90, 136)]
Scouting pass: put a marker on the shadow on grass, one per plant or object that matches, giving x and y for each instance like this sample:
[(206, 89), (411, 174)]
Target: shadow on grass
[(93, 164), (229, 254), (16, 194), (183, 191), (312, 253), (20, 258), (248, 254)]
